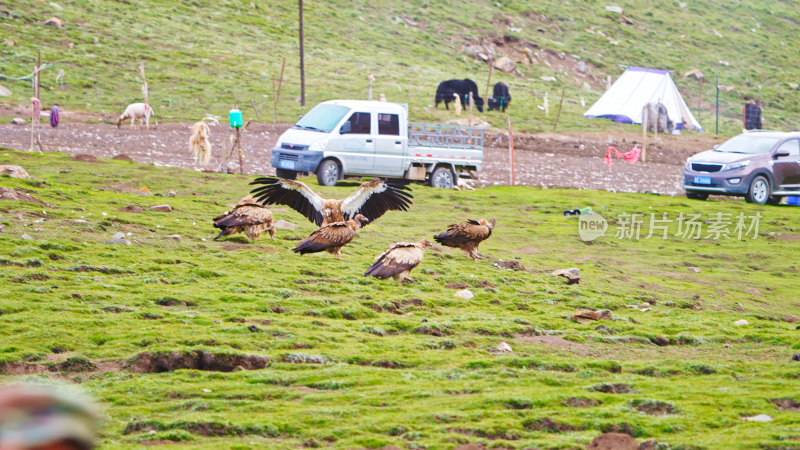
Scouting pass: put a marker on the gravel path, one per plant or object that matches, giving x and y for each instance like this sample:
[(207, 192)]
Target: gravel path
[(573, 160)]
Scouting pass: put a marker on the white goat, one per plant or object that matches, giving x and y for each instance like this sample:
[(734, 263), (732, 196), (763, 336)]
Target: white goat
[(135, 111)]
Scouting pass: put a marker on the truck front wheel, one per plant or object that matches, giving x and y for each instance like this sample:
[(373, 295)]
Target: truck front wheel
[(286, 174), (442, 177), (328, 172)]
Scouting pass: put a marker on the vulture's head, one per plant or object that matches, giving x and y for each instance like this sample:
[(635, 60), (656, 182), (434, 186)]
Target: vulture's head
[(492, 223), (360, 220), (424, 243)]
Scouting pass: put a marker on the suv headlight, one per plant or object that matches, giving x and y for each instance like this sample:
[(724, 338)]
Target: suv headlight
[(319, 145), (688, 164), (733, 166)]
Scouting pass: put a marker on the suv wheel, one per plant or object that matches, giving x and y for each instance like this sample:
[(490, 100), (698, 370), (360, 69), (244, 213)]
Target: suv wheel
[(697, 195), (286, 174), (328, 173), (442, 178), (758, 191)]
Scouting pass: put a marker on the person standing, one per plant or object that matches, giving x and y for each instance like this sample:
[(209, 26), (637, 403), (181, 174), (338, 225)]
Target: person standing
[(752, 114)]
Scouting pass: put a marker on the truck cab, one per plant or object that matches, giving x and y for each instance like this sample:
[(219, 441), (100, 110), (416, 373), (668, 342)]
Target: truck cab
[(347, 135)]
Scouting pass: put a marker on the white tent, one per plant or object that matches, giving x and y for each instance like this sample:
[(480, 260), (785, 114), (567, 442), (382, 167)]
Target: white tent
[(624, 100)]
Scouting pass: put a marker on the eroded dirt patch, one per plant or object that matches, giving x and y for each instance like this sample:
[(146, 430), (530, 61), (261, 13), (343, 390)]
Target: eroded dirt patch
[(615, 388), (581, 402), (654, 407), (198, 359), (14, 194), (787, 404), (549, 425)]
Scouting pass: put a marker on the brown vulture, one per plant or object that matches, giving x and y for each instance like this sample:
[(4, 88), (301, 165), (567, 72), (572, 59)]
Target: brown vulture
[(249, 216), (372, 199), (467, 235), (398, 261), (331, 237)]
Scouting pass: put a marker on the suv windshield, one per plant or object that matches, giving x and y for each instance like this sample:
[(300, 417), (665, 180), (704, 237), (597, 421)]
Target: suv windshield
[(322, 118), (748, 143)]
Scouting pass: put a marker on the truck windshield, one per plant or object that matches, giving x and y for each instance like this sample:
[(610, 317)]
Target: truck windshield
[(322, 118), (748, 143)]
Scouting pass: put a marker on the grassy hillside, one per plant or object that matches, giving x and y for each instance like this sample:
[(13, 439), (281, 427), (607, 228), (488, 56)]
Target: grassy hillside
[(359, 362), (203, 56)]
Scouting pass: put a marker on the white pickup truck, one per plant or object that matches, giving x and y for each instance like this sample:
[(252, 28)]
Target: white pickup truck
[(341, 138)]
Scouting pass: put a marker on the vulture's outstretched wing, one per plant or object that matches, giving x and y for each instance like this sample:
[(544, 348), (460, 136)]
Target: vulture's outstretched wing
[(294, 194), (334, 234), (467, 231), (396, 259), (374, 198)]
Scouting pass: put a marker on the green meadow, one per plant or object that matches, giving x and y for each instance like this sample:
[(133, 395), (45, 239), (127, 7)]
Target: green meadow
[(356, 362)]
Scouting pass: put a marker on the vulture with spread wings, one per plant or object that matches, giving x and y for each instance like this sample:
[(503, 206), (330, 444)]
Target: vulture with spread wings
[(467, 235), (249, 216), (398, 261), (331, 237), (372, 199)]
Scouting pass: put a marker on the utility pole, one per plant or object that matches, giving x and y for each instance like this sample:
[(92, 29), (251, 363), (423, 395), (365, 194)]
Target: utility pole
[(716, 131), (302, 65)]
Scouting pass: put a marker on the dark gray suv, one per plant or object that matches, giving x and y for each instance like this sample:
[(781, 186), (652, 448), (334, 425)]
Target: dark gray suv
[(761, 166)]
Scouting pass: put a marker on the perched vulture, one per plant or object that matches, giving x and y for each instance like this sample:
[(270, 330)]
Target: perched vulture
[(467, 235), (331, 237), (398, 261), (372, 199), (248, 216)]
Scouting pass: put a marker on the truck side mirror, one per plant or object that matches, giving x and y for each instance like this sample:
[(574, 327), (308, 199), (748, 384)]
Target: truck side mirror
[(345, 128)]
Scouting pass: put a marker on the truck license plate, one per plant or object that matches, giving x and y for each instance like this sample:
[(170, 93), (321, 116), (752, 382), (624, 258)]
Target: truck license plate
[(287, 165), (702, 180)]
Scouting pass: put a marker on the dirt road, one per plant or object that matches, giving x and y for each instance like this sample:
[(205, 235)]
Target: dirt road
[(572, 160)]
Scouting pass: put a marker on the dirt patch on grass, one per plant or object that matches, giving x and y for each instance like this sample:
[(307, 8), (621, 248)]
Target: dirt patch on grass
[(549, 425), (787, 404), (198, 359), (131, 209), (615, 388), (496, 434), (616, 441), (17, 195), (653, 407), (85, 157), (234, 247), (456, 286), (581, 402), (432, 331)]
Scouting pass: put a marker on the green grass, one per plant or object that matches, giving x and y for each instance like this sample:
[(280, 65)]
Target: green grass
[(359, 362), (204, 56)]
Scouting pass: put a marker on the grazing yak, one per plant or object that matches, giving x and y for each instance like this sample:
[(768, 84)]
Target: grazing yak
[(446, 89), (331, 237), (500, 97), (398, 261), (372, 199), (467, 235), (657, 118)]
